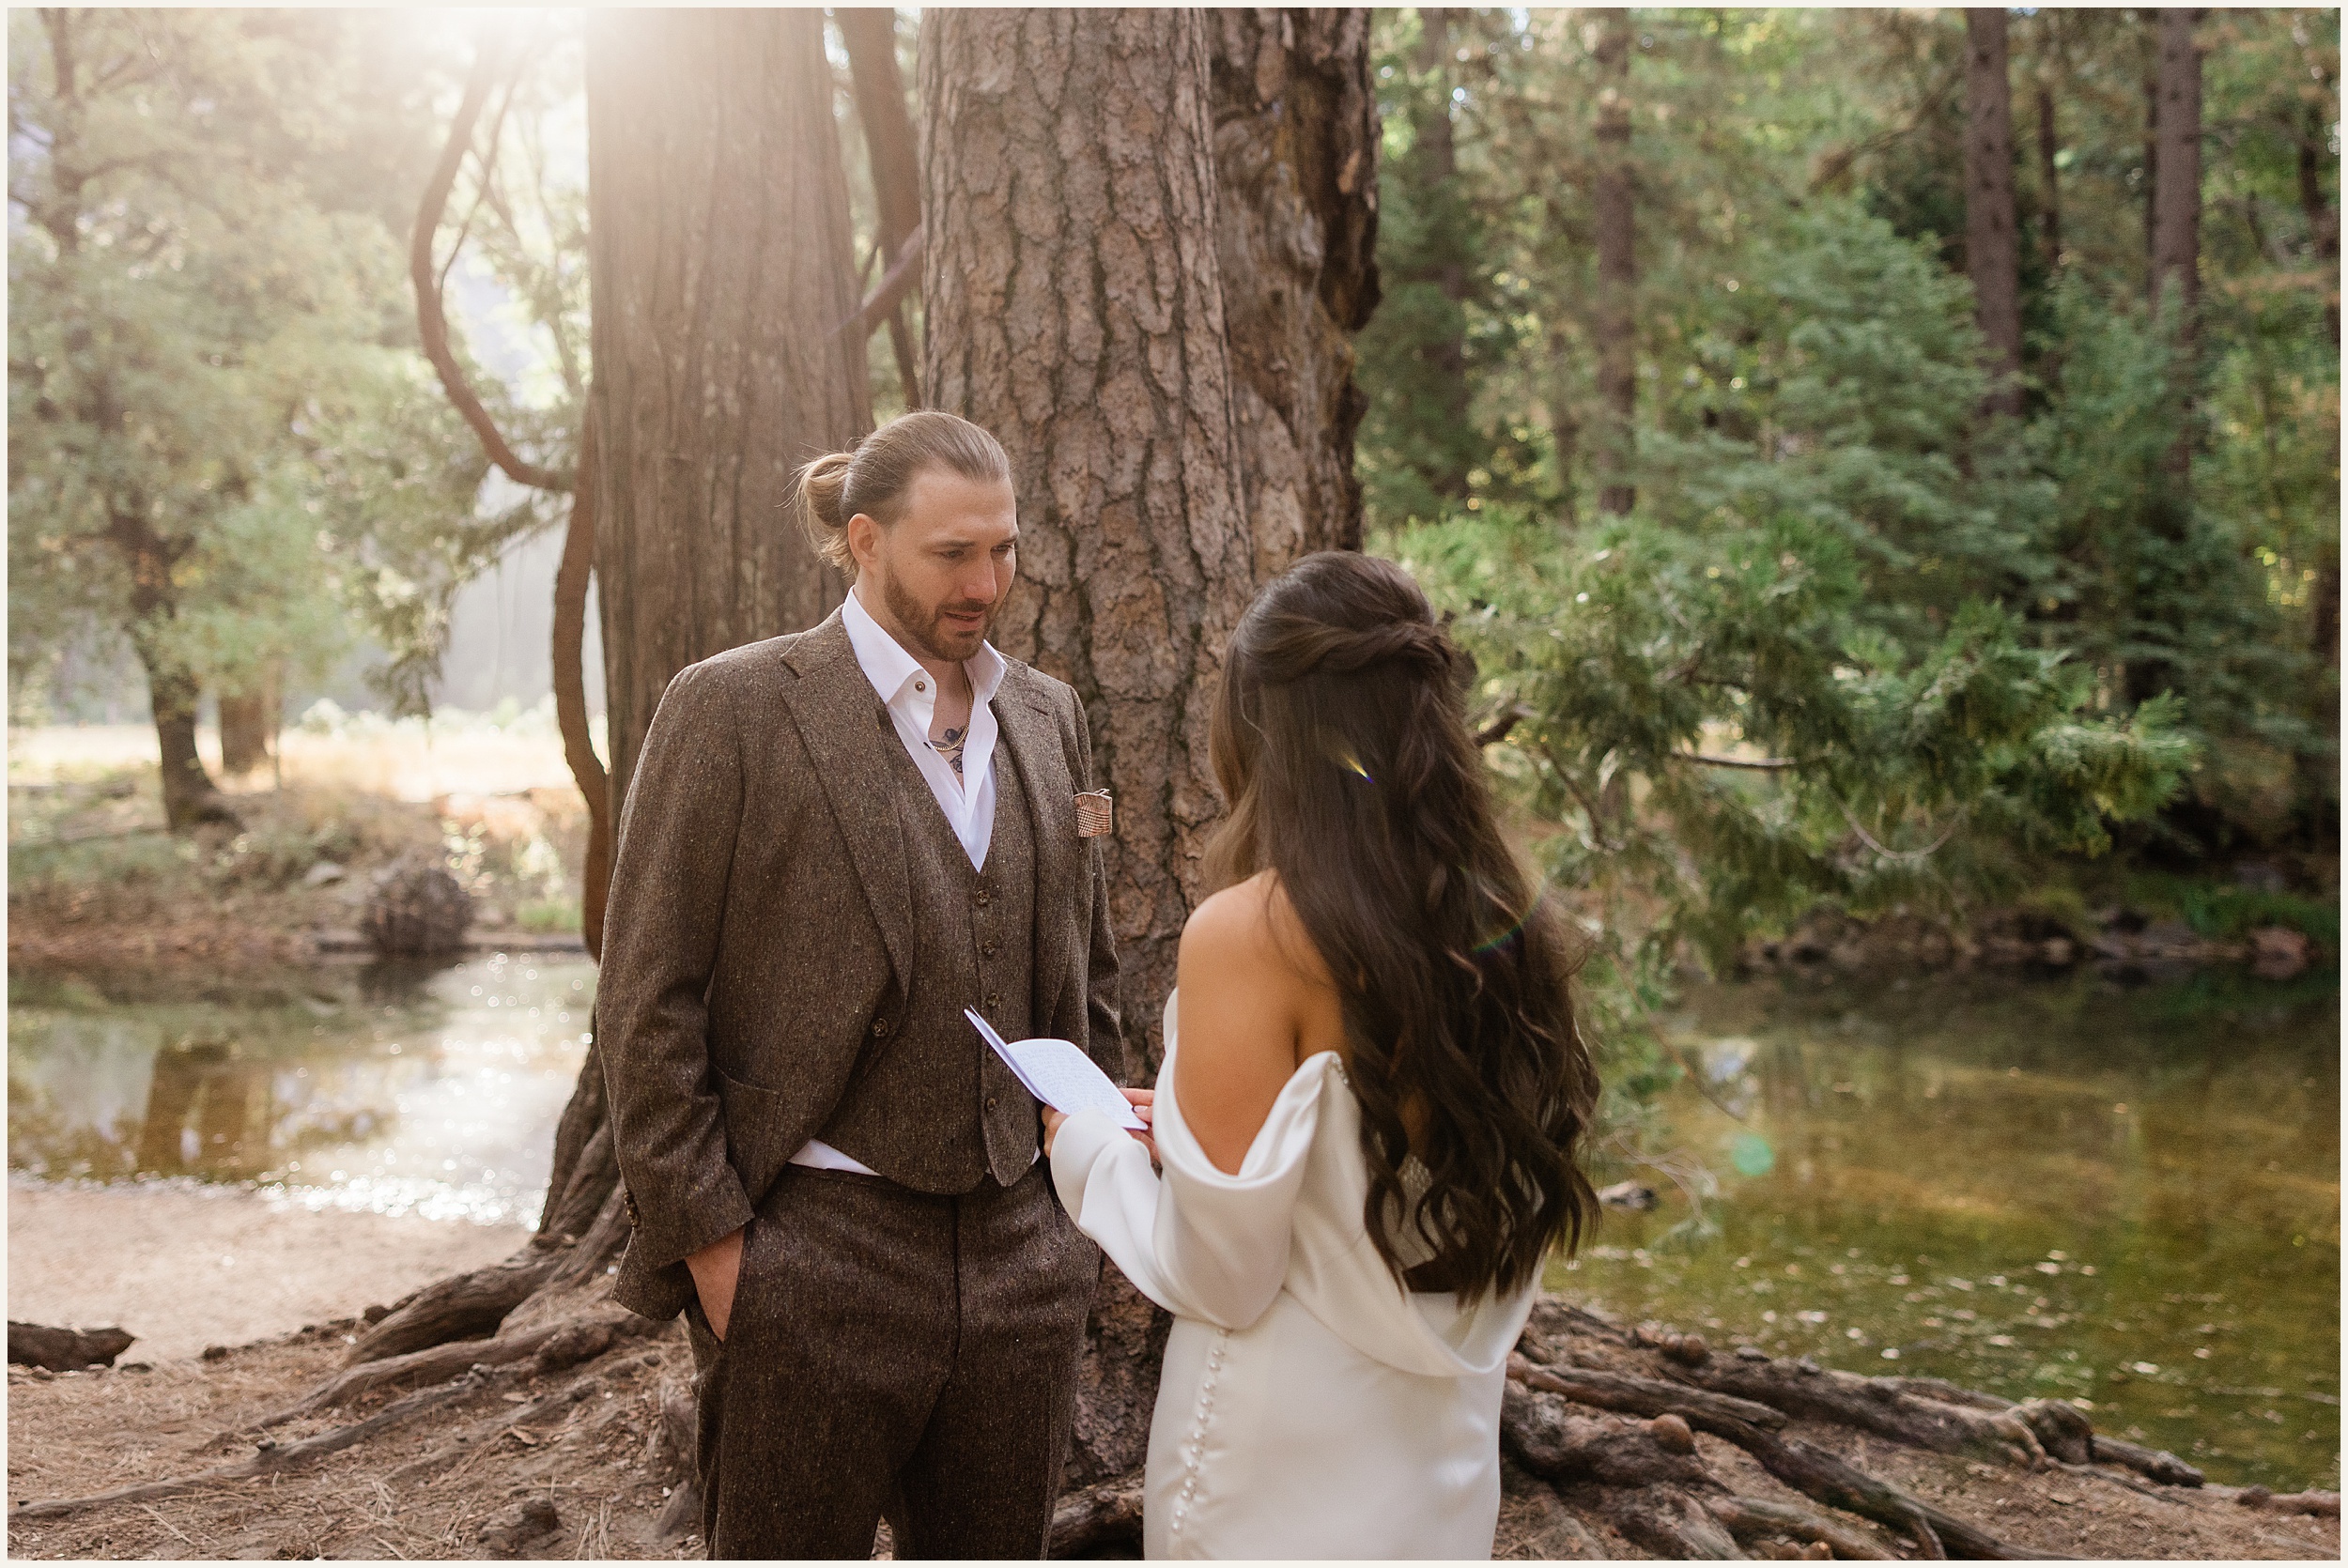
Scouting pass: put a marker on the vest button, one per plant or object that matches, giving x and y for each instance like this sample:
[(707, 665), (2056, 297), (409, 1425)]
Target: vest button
[(880, 1026), (990, 1102), (992, 1000), (979, 897), (986, 950)]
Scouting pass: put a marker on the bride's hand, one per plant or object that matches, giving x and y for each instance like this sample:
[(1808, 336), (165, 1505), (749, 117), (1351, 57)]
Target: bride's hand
[(1143, 1102)]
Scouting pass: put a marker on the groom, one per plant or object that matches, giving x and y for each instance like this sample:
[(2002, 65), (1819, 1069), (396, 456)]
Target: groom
[(835, 841)]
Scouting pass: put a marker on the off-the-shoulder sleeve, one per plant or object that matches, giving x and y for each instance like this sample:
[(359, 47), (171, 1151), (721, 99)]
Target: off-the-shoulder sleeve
[(1201, 1243)]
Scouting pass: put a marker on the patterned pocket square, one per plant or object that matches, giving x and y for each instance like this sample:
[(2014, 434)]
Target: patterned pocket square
[(1095, 814)]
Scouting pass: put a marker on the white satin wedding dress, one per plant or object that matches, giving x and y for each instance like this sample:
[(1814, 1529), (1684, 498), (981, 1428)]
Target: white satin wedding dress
[(1310, 1408)]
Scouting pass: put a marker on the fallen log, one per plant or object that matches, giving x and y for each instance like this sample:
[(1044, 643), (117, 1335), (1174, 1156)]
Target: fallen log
[(271, 1459), (64, 1349)]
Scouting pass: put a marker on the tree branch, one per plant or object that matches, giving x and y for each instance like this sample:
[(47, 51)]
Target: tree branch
[(1763, 764), (431, 319), (900, 278)]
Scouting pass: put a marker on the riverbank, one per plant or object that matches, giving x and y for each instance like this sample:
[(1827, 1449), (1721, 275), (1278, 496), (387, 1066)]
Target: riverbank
[(183, 1266)]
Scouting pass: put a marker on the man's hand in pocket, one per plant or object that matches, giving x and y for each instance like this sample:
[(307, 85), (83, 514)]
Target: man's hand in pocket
[(716, 1270)]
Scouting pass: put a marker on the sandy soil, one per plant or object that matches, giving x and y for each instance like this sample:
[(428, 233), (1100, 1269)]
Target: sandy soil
[(185, 1268)]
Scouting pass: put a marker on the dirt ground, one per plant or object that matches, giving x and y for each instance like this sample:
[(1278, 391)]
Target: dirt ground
[(431, 1488), (427, 1489), (183, 1269)]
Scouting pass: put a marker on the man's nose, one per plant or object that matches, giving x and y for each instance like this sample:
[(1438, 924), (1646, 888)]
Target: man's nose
[(978, 587)]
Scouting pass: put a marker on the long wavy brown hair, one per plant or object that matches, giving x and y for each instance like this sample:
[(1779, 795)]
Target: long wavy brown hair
[(1339, 739)]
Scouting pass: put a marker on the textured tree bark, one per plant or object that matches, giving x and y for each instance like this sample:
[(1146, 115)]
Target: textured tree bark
[(1296, 136), (1992, 252), (719, 256), (190, 796), (1075, 309), (1614, 323), (870, 35)]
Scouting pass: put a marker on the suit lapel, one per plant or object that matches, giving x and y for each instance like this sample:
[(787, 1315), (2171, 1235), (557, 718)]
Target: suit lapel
[(1031, 734), (847, 733)]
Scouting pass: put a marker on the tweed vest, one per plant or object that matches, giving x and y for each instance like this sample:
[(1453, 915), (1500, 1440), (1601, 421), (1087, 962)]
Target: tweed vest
[(930, 1106)]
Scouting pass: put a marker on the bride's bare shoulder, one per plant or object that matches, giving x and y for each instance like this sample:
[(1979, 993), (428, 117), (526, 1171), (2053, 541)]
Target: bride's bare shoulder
[(1251, 926)]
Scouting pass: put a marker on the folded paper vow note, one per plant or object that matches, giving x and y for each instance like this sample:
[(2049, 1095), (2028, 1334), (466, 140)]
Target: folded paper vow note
[(1059, 1075)]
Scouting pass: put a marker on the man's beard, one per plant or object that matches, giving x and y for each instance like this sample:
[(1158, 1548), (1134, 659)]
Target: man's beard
[(920, 622)]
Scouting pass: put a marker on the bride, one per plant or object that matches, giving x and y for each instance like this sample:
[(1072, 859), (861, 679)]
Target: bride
[(1367, 1124)]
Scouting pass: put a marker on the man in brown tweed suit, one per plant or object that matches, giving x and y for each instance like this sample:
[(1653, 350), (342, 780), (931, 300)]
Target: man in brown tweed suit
[(834, 842)]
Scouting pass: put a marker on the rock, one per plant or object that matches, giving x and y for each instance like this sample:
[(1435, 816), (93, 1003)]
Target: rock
[(574, 1343), (1672, 1432), (376, 1313), (325, 871), (2278, 952), (37, 1345), (2057, 952), (509, 1531), (1689, 1350), (1627, 1194), (215, 1352), (415, 907)]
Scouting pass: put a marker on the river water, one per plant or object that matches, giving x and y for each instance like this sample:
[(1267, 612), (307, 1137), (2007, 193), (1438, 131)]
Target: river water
[(2129, 1198)]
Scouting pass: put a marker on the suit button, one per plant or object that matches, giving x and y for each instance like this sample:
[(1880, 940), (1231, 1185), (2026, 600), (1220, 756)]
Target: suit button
[(986, 950), (990, 1102), (880, 1027), (992, 1000)]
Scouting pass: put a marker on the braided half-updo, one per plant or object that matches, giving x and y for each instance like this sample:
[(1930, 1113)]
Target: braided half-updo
[(1339, 740)]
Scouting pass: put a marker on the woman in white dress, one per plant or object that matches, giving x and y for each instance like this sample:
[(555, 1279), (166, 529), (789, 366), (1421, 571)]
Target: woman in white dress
[(1367, 1121)]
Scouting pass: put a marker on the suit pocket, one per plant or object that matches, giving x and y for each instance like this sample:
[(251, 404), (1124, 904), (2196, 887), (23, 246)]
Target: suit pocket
[(757, 1136)]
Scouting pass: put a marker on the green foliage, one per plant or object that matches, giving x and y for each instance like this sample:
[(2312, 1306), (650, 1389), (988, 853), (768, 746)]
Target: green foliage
[(207, 309)]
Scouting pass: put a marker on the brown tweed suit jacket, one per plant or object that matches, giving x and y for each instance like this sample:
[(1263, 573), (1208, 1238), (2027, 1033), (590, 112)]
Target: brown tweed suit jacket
[(759, 931)]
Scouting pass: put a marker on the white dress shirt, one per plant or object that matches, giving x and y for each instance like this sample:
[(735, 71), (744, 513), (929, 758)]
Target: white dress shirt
[(910, 693)]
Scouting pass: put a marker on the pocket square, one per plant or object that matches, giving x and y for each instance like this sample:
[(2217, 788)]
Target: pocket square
[(1095, 814)]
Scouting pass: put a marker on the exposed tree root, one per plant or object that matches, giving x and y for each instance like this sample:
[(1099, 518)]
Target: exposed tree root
[(1107, 1513), (273, 1459), (1752, 1519)]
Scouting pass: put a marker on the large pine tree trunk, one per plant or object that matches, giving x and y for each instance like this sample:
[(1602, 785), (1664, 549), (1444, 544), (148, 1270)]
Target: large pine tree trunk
[(1296, 161), (1069, 209), (1614, 323), (1992, 255), (2050, 177), (248, 718), (1075, 309), (719, 249)]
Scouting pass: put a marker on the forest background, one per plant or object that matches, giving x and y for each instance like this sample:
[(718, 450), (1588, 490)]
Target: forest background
[(1859, 488), (1884, 464)]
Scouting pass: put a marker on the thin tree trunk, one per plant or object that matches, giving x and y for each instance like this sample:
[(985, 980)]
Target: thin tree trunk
[(2151, 184), (1616, 319), (245, 729), (2049, 183), (1992, 256), (1296, 161), (870, 35), (2323, 215), (1439, 166), (2177, 202), (190, 796), (719, 249), (570, 694)]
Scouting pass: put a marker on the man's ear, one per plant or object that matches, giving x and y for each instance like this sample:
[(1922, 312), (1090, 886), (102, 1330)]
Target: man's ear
[(863, 540)]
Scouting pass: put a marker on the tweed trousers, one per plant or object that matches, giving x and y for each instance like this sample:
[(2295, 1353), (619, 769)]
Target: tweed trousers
[(893, 1353)]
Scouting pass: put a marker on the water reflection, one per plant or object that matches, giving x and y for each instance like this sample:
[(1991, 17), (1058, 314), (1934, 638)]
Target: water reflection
[(2130, 1200), (430, 1090)]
